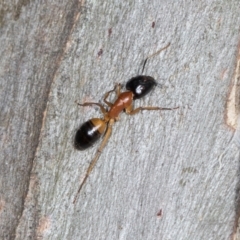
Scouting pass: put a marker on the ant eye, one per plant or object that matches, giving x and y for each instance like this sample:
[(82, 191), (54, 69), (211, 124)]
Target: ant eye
[(139, 89)]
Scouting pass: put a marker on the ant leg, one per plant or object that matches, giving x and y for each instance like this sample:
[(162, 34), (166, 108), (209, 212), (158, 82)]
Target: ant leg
[(94, 161), (117, 91), (134, 111), (106, 96), (145, 61), (92, 103)]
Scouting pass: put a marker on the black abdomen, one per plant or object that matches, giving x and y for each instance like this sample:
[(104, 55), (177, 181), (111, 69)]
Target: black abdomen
[(88, 134)]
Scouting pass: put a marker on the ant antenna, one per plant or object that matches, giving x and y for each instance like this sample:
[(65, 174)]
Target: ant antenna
[(145, 61)]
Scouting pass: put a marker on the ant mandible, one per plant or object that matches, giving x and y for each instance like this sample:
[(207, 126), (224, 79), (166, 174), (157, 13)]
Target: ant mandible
[(94, 128)]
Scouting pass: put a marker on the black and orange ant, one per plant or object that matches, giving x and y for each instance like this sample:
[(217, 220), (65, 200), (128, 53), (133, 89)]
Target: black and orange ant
[(90, 131)]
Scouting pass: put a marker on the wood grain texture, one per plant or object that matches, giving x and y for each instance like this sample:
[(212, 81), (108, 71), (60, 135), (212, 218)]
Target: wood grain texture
[(163, 175)]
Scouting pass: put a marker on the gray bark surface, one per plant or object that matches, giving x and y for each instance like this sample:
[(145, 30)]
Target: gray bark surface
[(163, 174)]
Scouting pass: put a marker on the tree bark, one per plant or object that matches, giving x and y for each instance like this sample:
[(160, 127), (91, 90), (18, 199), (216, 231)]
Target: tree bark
[(163, 174)]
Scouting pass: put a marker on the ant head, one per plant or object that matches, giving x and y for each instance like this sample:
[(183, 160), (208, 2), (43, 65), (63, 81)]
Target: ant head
[(140, 85)]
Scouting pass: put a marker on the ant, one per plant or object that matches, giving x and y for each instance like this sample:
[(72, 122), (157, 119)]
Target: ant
[(90, 131)]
